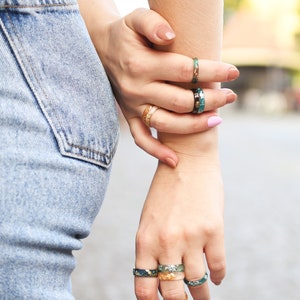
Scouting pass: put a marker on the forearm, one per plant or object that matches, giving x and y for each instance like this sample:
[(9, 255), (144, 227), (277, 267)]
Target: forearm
[(198, 27), (97, 14)]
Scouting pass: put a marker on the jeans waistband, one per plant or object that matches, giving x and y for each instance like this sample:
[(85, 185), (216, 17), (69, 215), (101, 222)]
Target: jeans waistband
[(32, 3)]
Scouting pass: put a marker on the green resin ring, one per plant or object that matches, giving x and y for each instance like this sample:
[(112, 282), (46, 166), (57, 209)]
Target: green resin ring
[(145, 272), (195, 70), (199, 101), (198, 282), (171, 268)]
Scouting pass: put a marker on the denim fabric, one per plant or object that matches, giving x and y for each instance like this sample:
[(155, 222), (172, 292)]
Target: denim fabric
[(58, 135)]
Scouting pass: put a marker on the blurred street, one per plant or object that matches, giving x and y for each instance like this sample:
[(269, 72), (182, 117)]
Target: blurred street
[(261, 167)]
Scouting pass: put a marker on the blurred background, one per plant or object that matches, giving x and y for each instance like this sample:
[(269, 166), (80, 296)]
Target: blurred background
[(260, 154)]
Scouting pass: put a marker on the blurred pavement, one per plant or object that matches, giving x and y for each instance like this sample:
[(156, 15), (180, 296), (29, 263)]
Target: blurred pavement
[(261, 167)]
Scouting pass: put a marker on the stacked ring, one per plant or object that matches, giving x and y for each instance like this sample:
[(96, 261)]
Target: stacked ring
[(148, 113), (145, 272), (198, 282), (171, 268), (195, 70), (199, 101), (171, 272)]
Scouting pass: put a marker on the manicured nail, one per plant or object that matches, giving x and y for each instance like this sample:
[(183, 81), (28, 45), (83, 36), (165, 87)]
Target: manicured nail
[(214, 121), (231, 97), (233, 73), (165, 33)]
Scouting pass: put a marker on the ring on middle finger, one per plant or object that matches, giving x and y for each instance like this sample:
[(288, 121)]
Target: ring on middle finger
[(199, 101), (171, 272)]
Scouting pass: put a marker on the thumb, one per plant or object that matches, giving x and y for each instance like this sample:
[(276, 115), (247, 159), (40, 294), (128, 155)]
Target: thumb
[(151, 25)]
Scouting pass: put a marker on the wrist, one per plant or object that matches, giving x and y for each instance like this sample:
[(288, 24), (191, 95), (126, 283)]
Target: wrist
[(204, 144), (98, 15)]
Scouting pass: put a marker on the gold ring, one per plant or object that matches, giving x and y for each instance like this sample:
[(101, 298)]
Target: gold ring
[(170, 276), (148, 113)]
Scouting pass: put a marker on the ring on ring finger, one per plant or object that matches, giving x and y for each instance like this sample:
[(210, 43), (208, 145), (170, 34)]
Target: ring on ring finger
[(194, 283)]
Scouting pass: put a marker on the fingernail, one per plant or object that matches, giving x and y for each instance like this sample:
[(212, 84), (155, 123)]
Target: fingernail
[(165, 33), (214, 121), (233, 74), (231, 97), (171, 162)]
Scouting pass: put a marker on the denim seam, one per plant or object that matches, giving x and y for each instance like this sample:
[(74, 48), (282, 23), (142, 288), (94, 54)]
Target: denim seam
[(40, 5), (107, 158)]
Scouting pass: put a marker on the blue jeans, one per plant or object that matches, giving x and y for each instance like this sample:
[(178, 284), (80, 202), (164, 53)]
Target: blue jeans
[(58, 135)]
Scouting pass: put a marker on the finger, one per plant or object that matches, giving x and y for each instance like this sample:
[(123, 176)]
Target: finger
[(172, 288), (151, 25), (158, 31), (144, 139), (195, 272), (168, 122), (146, 288), (216, 260), (175, 67), (181, 100)]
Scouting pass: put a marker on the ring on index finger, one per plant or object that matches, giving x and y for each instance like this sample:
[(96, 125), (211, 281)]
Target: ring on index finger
[(148, 113), (195, 70), (145, 272)]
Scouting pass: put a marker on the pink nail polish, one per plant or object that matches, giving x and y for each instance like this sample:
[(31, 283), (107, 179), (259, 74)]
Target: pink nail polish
[(214, 121)]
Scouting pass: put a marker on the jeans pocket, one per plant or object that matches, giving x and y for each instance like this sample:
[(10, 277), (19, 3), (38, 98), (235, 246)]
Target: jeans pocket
[(61, 66)]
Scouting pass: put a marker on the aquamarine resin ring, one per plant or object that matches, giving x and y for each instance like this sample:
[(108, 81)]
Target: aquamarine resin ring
[(171, 268), (145, 272), (198, 282), (195, 70), (199, 101)]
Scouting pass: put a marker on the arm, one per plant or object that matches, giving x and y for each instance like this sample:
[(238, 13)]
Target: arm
[(140, 74), (182, 218)]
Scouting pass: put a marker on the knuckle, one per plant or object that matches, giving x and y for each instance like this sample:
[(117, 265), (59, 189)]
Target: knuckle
[(137, 139), (218, 102), (218, 266), (135, 66), (143, 241), (143, 293), (160, 124), (172, 294), (213, 228), (127, 89), (178, 105), (185, 72), (168, 239)]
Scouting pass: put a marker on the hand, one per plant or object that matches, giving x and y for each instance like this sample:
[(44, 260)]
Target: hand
[(182, 220), (141, 75)]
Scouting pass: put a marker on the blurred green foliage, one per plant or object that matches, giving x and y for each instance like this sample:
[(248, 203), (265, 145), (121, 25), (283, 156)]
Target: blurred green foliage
[(232, 4)]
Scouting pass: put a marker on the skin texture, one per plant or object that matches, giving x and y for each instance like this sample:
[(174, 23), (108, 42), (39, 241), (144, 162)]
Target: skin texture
[(139, 74), (148, 59), (183, 214)]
